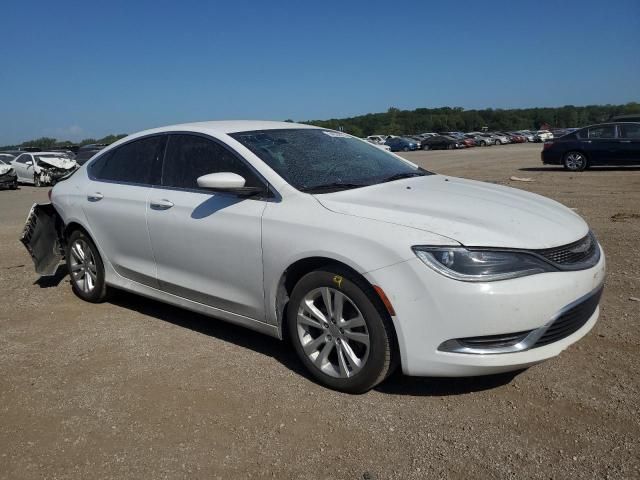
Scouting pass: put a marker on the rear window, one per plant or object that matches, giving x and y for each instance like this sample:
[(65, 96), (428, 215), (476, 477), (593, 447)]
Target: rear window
[(603, 131), (135, 162)]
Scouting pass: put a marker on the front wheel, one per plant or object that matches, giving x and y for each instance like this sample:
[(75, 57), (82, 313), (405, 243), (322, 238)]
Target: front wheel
[(405, 149), (85, 268), (575, 161), (340, 330), (426, 147)]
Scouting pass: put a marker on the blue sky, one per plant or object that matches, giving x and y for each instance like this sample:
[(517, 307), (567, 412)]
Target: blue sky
[(81, 69)]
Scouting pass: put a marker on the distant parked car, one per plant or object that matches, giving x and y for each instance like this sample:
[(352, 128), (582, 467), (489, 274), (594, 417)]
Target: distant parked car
[(528, 135), (516, 137), (500, 138), (85, 152), (379, 139), (479, 140), (382, 146), (441, 142), (401, 144), (602, 144), (8, 177), (543, 135), (43, 168)]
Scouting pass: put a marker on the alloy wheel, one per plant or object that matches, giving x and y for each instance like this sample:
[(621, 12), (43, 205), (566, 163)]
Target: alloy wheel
[(332, 332), (83, 266), (575, 161)]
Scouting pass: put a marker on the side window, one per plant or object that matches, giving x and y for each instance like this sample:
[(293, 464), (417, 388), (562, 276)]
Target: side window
[(134, 162), (191, 156), (21, 159), (630, 130), (604, 131)]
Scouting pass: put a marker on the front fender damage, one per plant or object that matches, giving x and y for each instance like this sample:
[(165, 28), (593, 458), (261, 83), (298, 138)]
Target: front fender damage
[(43, 236)]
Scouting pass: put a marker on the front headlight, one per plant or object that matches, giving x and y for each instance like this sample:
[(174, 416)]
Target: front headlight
[(481, 265)]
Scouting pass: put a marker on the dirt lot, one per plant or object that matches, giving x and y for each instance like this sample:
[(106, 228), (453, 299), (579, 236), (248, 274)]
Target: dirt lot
[(137, 389)]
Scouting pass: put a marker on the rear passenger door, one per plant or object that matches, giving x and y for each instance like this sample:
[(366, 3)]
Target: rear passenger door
[(208, 244), (629, 141), (115, 204)]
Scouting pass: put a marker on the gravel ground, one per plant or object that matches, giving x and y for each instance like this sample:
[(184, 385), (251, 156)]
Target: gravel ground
[(134, 388)]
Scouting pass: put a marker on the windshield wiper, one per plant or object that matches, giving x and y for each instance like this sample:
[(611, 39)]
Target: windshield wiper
[(400, 176), (335, 186)]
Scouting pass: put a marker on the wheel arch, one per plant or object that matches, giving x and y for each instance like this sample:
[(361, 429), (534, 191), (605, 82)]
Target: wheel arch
[(298, 269)]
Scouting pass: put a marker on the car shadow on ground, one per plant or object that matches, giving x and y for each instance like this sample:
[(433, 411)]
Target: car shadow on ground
[(53, 280), (397, 384), (590, 169)]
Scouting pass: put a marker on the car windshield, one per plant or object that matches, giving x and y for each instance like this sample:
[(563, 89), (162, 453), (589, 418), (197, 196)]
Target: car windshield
[(324, 160)]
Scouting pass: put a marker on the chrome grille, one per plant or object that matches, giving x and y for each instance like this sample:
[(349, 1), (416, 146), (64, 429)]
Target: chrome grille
[(577, 253)]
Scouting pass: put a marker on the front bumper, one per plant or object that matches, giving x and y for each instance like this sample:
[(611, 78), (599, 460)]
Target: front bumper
[(432, 309)]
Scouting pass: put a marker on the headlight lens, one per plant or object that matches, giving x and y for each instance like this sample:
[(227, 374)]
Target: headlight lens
[(481, 265)]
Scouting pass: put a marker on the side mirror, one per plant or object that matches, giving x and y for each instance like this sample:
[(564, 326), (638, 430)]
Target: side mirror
[(227, 182), (221, 181)]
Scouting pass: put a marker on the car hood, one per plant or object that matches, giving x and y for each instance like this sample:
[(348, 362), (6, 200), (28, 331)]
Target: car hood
[(469, 212), (4, 169), (59, 162)]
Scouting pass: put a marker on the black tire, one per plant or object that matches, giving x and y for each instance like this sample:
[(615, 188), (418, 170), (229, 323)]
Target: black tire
[(14, 185), (99, 293), (450, 146), (426, 147), (405, 149), (575, 161), (483, 143), (382, 357)]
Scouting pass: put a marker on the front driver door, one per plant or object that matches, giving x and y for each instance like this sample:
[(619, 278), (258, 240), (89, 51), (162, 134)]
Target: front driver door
[(602, 146), (207, 245)]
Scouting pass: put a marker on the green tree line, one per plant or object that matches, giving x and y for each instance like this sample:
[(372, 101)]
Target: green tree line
[(48, 142), (397, 122)]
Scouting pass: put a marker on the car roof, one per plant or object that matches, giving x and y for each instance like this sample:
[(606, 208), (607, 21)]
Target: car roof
[(225, 127)]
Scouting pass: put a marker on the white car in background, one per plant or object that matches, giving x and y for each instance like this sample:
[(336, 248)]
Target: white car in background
[(378, 139), (363, 259), (543, 135), (379, 145), (8, 177), (43, 168)]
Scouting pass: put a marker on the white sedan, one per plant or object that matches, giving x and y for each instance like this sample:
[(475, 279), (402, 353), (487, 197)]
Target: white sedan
[(363, 259), (42, 168)]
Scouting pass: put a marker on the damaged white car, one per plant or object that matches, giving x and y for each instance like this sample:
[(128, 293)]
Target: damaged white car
[(8, 178), (365, 261), (43, 168)]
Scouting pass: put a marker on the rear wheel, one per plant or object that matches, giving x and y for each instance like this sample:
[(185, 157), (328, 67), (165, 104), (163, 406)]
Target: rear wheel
[(575, 161), (85, 268), (450, 146), (405, 149), (483, 143), (340, 331), (426, 147)]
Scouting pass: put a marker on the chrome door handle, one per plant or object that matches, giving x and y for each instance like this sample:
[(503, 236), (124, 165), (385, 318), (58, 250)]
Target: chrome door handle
[(625, 141), (586, 141), (95, 197), (163, 204)]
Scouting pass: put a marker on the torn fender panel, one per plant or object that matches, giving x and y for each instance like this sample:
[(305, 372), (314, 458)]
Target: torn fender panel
[(43, 237)]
